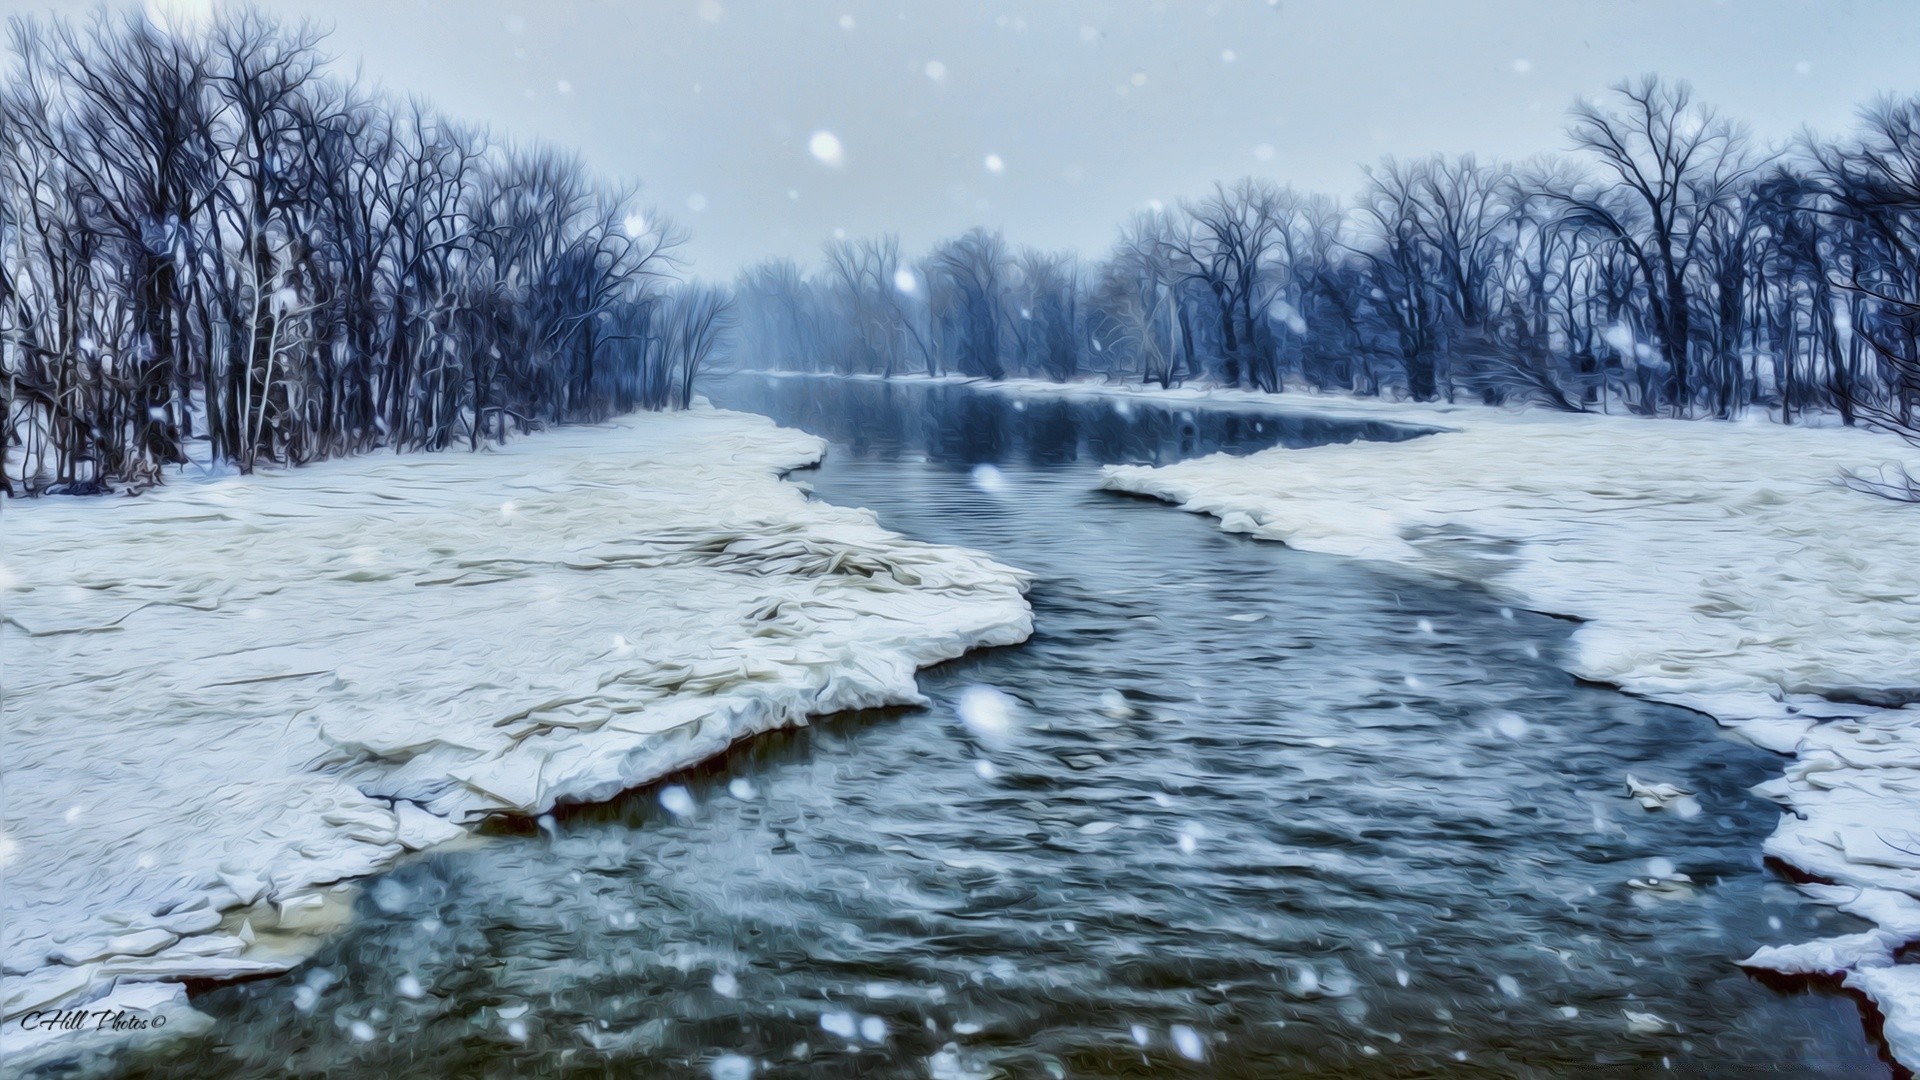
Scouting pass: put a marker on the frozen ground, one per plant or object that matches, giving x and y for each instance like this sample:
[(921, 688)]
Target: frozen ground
[(227, 694), (1719, 566)]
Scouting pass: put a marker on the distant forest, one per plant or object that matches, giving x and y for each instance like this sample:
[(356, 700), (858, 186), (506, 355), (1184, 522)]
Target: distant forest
[(212, 246), (1668, 266)]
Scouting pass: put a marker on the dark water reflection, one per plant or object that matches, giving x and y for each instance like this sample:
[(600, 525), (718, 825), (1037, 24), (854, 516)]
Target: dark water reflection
[(961, 425), (1256, 813)]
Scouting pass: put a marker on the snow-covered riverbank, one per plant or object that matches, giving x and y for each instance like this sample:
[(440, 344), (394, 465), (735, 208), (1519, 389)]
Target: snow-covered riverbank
[(225, 695), (1720, 566)]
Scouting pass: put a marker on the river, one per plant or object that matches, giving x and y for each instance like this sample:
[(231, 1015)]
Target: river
[(1235, 810)]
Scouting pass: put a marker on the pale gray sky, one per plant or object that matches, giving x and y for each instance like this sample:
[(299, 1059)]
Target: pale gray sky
[(1090, 109)]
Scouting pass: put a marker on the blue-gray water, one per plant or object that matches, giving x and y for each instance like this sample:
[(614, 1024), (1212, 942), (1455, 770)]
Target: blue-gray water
[(1280, 812)]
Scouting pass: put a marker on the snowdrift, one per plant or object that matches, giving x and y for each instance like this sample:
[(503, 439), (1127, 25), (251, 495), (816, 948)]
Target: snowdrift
[(229, 693), (1725, 567)]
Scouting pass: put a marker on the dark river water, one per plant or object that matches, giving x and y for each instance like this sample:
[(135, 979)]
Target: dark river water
[(1234, 810)]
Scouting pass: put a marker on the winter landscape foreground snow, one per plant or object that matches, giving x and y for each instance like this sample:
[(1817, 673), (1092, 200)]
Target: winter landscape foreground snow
[(1724, 567), (229, 694)]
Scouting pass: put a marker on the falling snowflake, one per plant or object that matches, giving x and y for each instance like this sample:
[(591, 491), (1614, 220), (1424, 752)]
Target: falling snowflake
[(825, 147), (676, 800)]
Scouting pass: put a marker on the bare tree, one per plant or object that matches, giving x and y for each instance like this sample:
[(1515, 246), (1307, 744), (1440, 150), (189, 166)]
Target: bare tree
[(209, 236), (1137, 307), (1049, 313), (699, 316), (968, 282), (1870, 203), (1232, 236), (1671, 165), (865, 275)]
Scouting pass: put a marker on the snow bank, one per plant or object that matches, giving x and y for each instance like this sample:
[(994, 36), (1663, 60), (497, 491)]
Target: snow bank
[(1719, 566), (226, 694), (1431, 417)]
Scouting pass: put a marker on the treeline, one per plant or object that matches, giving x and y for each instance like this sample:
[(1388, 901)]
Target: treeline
[(211, 245), (1668, 266)]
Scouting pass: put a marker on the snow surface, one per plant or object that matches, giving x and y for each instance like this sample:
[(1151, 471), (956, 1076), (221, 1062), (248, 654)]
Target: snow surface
[(226, 694), (1721, 566)]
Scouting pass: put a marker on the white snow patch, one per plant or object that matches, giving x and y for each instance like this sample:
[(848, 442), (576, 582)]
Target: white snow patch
[(1658, 795), (1645, 1023), (1896, 990), (417, 662)]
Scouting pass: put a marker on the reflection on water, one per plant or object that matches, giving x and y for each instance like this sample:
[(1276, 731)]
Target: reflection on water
[(959, 426), (1235, 810)]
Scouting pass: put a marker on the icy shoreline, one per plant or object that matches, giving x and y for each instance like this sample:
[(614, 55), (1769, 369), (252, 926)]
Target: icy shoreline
[(227, 695), (1718, 566)]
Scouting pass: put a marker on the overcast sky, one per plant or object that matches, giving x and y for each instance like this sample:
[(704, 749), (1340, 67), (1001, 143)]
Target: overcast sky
[(1055, 119)]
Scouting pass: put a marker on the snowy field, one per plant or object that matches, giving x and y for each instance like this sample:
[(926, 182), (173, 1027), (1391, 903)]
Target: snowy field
[(228, 694), (1720, 566)]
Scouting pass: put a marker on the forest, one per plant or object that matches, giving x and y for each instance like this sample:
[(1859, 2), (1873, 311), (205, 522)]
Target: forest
[(212, 244), (213, 248), (1667, 266)]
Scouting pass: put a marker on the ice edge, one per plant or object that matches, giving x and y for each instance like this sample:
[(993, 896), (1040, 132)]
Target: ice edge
[(943, 603), (1856, 768)]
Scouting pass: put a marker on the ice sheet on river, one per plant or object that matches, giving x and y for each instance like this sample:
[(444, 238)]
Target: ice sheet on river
[(1719, 566), (227, 692)]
